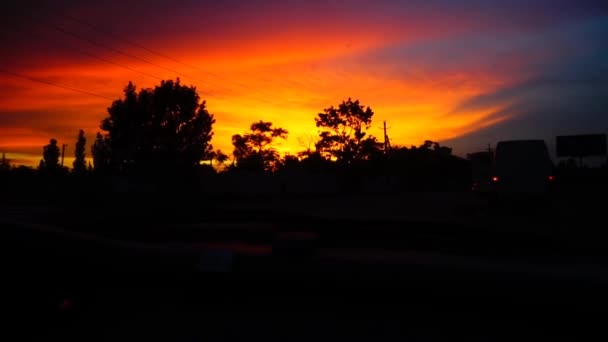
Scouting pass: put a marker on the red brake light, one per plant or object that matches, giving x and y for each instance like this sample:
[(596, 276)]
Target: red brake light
[(494, 179)]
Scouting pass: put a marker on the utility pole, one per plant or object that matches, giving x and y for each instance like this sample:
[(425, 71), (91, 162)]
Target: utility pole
[(62, 153), (387, 142)]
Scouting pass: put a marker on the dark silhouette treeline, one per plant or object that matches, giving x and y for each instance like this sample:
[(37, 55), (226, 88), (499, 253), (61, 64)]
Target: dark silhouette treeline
[(159, 139)]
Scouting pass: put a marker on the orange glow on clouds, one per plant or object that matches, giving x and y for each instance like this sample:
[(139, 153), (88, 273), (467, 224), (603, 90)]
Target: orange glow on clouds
[(286, 81)]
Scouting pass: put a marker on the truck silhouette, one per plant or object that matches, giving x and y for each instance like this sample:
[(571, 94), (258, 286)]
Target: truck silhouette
[(522, 166)]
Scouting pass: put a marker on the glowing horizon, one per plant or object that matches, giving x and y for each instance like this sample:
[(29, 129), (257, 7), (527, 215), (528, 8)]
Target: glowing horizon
[(422, 71)]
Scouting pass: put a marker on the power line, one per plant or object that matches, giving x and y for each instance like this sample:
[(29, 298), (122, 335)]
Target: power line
[(152, 51), (130, 42), (118, 51), (129, 55), (58, 85), (104, 46), (68, 47)]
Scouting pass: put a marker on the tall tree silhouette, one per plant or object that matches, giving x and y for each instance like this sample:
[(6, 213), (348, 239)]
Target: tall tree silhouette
[(254, 150), (343, 133), (101, 154), (50, 157), (80, 164), (165, 128), (5, 165)]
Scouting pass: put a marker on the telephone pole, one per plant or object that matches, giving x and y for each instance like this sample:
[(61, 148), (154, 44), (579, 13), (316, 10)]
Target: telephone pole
[(387, 142), (62, 153)]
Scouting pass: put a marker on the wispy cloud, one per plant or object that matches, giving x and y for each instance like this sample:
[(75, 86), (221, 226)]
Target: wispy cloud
[(568, 95), (434, 69)]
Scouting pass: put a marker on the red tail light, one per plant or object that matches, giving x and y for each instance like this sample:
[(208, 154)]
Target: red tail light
[(495, 179), (551, 178)]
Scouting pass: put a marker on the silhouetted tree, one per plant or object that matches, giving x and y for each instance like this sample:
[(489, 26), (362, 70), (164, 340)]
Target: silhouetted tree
[(50, 157), (6, 163), (254, 151), (343, 134), (315, 162), (166, 128), (307, 142), (290, 162), (219, 157), (437, 148), (101, 154), (429, 166), (80, 165)]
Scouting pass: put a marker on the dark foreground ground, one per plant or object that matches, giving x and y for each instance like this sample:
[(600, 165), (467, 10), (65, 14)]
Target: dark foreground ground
[(419, 267)]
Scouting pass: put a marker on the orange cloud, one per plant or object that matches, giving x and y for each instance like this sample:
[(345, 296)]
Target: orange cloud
[(286, 78)]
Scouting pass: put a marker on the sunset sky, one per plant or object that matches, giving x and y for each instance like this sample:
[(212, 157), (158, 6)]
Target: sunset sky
[(465, 73)]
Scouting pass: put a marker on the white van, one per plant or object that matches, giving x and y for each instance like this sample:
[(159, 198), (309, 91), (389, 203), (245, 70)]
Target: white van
[(522, 167)]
